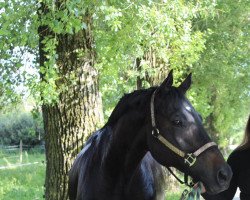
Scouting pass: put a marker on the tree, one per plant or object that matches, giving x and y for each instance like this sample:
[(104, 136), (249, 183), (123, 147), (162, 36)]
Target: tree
[(15, 18), (222, 74), (139, 42), (77, 111), (67, 87)]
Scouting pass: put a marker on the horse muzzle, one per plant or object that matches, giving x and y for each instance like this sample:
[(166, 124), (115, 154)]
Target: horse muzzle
[(222, 180)]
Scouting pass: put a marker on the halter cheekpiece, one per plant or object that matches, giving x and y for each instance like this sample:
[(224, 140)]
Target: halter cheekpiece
[(189, 158)]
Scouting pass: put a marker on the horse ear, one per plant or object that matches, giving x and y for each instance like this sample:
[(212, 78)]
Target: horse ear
[(168, 81), (185, 85)]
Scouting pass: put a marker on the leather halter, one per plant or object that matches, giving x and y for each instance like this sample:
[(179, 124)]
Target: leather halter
[(189, 158)]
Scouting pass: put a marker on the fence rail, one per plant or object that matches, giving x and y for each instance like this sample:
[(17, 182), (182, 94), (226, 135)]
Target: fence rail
[(17, 155), (2, 147), (20, 148), (18, 165)]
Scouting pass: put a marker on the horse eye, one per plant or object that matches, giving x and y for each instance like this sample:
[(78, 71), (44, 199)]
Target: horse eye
[(177, 122)]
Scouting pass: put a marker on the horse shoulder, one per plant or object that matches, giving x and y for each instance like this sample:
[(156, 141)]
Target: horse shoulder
[(157, 171), (85, 170), (148, 182)]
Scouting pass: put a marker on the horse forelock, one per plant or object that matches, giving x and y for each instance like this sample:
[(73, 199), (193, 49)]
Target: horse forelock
[(171, 99)]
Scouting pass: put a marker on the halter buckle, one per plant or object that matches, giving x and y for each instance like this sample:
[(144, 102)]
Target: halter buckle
[(184, 194), (190, 159), (155, 132)]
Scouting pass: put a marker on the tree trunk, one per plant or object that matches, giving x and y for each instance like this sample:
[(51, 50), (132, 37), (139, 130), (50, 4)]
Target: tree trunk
[(210, 119), (158, 68), (78, 110), (139, 80)]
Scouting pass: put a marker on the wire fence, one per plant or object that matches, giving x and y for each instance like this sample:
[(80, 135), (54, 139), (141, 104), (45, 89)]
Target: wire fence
[(18, 165), (20, 148), (19, 155)]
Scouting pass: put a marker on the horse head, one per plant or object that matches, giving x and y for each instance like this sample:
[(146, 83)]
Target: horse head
[(179, 139)]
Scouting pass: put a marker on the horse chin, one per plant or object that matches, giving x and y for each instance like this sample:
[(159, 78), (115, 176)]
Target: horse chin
[(214, 190), (210, 190)]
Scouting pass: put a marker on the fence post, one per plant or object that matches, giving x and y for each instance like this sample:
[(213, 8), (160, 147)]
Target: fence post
[(21, 151)]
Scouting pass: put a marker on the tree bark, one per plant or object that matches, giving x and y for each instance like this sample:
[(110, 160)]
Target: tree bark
[(210, 119), (78, 111), (155, 64), (139, 80)]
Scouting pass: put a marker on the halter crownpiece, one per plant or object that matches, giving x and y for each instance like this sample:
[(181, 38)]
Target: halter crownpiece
[(189, 158)]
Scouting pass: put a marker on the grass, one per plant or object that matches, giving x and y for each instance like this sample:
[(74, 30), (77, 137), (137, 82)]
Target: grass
[(25, 182), (174, 193), (173, 196)]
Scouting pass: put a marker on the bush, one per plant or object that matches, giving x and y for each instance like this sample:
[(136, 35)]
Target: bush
[(19, 125)]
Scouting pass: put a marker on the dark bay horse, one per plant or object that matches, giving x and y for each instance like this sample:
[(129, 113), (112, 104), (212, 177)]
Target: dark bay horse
[(148, 129)]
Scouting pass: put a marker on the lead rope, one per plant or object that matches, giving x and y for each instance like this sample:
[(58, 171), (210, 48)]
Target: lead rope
[(186, 182), (193, 194)]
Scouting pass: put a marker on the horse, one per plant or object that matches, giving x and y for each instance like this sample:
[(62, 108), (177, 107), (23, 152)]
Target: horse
[(148, 129)]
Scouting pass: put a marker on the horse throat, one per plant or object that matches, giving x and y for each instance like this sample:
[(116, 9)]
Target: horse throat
[(135, 155)]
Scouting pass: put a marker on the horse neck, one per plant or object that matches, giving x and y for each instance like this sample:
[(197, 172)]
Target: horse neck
[(128, 144)]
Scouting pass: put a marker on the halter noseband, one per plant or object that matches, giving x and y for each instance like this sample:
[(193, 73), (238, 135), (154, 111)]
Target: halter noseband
[(189, 158)]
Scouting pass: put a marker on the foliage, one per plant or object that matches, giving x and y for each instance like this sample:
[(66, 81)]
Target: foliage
[(18, 42), (20, 125), (222, 74), (125, 31), (211, 40)]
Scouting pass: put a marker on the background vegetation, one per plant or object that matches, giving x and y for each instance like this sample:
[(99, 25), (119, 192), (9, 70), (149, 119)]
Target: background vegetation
[(211, 39), (17, 124)]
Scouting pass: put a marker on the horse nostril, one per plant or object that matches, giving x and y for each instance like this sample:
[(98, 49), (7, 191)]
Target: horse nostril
[(223, 176)]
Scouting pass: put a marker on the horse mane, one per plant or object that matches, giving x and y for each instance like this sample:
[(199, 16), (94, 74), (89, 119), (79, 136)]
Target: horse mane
[(137, 100), (134, 100)]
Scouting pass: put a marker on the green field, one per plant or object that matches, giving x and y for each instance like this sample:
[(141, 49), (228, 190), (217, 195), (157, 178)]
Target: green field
[(26, 182), (22, 182)]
